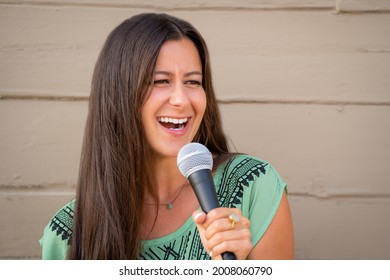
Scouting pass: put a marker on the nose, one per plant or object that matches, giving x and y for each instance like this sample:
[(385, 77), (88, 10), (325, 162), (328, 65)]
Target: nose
[(178, 96)]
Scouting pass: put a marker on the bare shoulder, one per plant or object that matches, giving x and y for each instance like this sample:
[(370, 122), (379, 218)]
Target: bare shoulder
[(278, 240)]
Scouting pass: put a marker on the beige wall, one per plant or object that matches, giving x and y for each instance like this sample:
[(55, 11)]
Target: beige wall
[(303, 84)]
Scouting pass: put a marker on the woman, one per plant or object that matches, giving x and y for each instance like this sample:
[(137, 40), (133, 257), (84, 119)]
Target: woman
[(151, 94)]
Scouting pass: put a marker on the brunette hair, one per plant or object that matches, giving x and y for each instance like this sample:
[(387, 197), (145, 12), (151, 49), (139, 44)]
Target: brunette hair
[(115, 164)]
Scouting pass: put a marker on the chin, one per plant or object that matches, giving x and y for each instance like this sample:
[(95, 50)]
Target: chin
[(169, 151)]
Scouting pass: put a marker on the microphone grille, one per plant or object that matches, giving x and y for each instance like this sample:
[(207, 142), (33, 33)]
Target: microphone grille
[(193, 157)]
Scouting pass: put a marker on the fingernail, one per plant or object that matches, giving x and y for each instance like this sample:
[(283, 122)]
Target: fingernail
[(211, 254), (197, 215)]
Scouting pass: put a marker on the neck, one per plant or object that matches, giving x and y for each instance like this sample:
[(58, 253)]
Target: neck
[(168, 176)]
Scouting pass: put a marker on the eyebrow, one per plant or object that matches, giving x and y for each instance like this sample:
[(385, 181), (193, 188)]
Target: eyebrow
[(185, 75)]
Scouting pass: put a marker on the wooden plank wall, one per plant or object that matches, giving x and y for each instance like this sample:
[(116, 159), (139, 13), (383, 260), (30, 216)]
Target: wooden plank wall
[(302, 84)]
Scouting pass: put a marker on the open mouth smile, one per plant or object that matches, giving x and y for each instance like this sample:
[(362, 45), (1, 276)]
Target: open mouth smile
[(173, 123)]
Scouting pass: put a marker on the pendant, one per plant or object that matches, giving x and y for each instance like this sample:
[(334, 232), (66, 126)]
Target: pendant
[(169, 206)]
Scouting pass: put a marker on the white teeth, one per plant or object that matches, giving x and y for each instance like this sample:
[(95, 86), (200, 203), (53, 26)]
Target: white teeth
[(172, 120)]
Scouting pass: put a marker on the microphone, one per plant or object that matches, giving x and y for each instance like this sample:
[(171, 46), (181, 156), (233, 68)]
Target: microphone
[(195, 163)]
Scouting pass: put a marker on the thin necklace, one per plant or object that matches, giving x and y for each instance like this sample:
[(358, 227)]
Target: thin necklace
[(169, 205)]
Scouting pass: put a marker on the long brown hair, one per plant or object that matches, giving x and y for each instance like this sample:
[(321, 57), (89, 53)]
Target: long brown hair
[(116, 165)]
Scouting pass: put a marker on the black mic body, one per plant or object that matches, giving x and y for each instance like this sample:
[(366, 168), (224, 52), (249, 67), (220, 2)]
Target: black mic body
[(195, 163), (203, 186)]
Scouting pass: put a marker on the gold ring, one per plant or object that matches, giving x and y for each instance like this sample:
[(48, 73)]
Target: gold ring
[(234, 219)]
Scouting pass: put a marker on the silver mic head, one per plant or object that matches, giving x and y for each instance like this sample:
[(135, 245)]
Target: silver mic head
[(193, 157)]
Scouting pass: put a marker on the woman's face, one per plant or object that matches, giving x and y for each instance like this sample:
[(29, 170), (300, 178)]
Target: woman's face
[(174, 110)]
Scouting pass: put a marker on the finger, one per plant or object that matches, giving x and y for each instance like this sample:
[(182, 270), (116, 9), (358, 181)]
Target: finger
[(219, 213), (231, 235), (199, 217), (240, 248), (224, 224), (219, 225)]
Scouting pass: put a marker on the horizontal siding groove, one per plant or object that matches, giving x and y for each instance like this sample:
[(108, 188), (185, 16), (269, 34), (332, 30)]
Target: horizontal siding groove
[(165, 7), (31, 194), (36, 257), (329, 196), (34, 188), (225, 101), (325, 196), (65, 190), (363, 12), (304, 102), (43, 97), (336, 9)]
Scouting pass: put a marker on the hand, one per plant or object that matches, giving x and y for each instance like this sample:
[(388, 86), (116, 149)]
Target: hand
[(218, 234)]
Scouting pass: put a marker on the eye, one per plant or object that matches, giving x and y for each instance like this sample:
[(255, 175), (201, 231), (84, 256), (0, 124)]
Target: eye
[(161, 82), (193, 83)]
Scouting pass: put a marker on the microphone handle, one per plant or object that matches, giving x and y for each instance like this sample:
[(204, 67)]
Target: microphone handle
[(203, 186)]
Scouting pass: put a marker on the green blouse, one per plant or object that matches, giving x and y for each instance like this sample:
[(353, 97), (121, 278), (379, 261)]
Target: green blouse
[(243, 182)]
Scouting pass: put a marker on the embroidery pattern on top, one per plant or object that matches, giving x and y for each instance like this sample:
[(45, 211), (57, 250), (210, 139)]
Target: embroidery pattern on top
[(232, 183), (62, 223)]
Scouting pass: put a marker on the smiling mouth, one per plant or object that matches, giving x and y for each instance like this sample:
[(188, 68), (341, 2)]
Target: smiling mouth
[(173, 123)]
